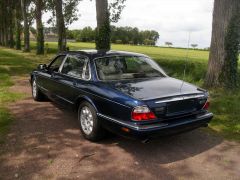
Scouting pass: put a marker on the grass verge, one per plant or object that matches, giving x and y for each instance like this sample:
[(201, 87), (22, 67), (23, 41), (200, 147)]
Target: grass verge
[(6, 97), (12, 63), (5, 120), (225, 106)]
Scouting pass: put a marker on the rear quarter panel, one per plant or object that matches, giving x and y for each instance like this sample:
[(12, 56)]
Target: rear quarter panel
[(109, 102)]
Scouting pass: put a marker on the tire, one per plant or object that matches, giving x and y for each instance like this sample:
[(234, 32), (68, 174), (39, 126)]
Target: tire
[(36, 93), (90, 125)]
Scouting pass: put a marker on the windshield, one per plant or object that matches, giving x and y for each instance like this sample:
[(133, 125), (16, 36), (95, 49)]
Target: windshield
[(127, 67)]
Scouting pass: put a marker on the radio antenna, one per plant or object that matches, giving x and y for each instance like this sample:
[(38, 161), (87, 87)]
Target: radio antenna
[(186, 59)]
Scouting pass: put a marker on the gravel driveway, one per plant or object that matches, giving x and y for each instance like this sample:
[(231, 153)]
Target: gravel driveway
[(45, 143)]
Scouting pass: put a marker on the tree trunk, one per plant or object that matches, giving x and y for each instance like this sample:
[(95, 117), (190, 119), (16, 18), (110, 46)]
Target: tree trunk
[(224, 11), (60, 26), (3, 19), (26, 26), (11, 23), (40, 35), (1, 24), (18, 25), (1, 32), (103, 25), (6, 24)]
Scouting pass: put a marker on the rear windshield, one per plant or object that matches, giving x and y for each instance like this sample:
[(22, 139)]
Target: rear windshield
[(127, 67)]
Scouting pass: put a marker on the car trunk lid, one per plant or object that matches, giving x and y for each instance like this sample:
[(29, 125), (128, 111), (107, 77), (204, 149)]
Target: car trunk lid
[(164, 96), (145, 89), (175, 106)]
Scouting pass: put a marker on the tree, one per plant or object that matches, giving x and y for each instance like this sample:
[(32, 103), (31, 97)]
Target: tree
[(7, 22), (103, 25), (18, 27), (154, 36), (169, 44), (106, 14), (2, 23), (60, 26), (222, 65), (25, 5), (40, 35), (65, 12), (194, 45), (123, 35), (11, 10), (86, 35), (148, 42)]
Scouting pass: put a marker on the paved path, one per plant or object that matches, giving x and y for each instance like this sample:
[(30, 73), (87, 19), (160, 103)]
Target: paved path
[(45, 143)]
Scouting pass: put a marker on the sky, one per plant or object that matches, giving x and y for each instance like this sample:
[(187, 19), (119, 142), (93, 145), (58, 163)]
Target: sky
[(173, 19)]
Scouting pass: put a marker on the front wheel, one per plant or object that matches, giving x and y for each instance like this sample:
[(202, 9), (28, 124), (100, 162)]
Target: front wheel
[(89, 123), (36, 93)]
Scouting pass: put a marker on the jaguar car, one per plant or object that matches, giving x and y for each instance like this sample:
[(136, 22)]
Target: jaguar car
[(125, 93)]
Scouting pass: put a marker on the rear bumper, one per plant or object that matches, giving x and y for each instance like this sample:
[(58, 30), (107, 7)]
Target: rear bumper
[(138, 131)]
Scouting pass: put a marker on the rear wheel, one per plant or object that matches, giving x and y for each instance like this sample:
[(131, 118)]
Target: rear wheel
[(90, 125), (36, 93)]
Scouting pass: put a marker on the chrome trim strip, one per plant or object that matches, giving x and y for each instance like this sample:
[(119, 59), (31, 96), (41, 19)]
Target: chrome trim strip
[(181, 98), (42, 88), (64, 99), (117, 121), (205, 115), (163, 126)]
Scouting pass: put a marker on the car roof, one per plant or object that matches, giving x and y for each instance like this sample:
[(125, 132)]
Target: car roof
[(92, 53)]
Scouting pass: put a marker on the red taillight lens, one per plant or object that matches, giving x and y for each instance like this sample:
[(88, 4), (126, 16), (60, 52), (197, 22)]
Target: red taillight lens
[(142, 113), (206, 105)]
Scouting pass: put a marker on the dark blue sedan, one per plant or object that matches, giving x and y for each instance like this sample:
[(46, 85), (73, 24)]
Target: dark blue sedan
[(122, 92)]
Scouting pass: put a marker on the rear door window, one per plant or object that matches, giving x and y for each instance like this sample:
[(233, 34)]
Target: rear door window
[(76, 66)]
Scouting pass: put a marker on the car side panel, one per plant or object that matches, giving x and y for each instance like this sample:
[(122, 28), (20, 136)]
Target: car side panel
[(43, 82), (66, 90), (108, 102)]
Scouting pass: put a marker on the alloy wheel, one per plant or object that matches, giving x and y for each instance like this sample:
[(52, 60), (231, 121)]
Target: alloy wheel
[(86, 120)]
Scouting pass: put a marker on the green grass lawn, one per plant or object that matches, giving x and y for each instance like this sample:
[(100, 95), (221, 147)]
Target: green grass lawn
[(12, 63), (224, 105)]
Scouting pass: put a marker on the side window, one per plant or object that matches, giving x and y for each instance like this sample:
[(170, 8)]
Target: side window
[(55, 65), (87, 71), (76, 66)]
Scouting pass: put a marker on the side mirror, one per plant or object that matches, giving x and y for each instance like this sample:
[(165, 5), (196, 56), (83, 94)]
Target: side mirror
[(42, 66)]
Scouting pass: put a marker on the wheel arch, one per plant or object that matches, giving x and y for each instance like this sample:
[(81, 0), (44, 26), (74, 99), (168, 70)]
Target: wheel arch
[(32, 76), (80, 99)]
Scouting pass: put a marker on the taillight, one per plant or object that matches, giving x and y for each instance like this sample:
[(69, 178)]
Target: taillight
[(142, 113), (206, 105)]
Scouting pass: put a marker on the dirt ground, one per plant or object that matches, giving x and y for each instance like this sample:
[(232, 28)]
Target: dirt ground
[(45, 143)]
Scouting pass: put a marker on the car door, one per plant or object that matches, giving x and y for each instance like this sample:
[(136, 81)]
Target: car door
[(46, 79), (72, 78)]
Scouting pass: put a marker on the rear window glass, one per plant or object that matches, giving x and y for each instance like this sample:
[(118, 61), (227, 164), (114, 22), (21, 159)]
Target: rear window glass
[(127, 67)]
